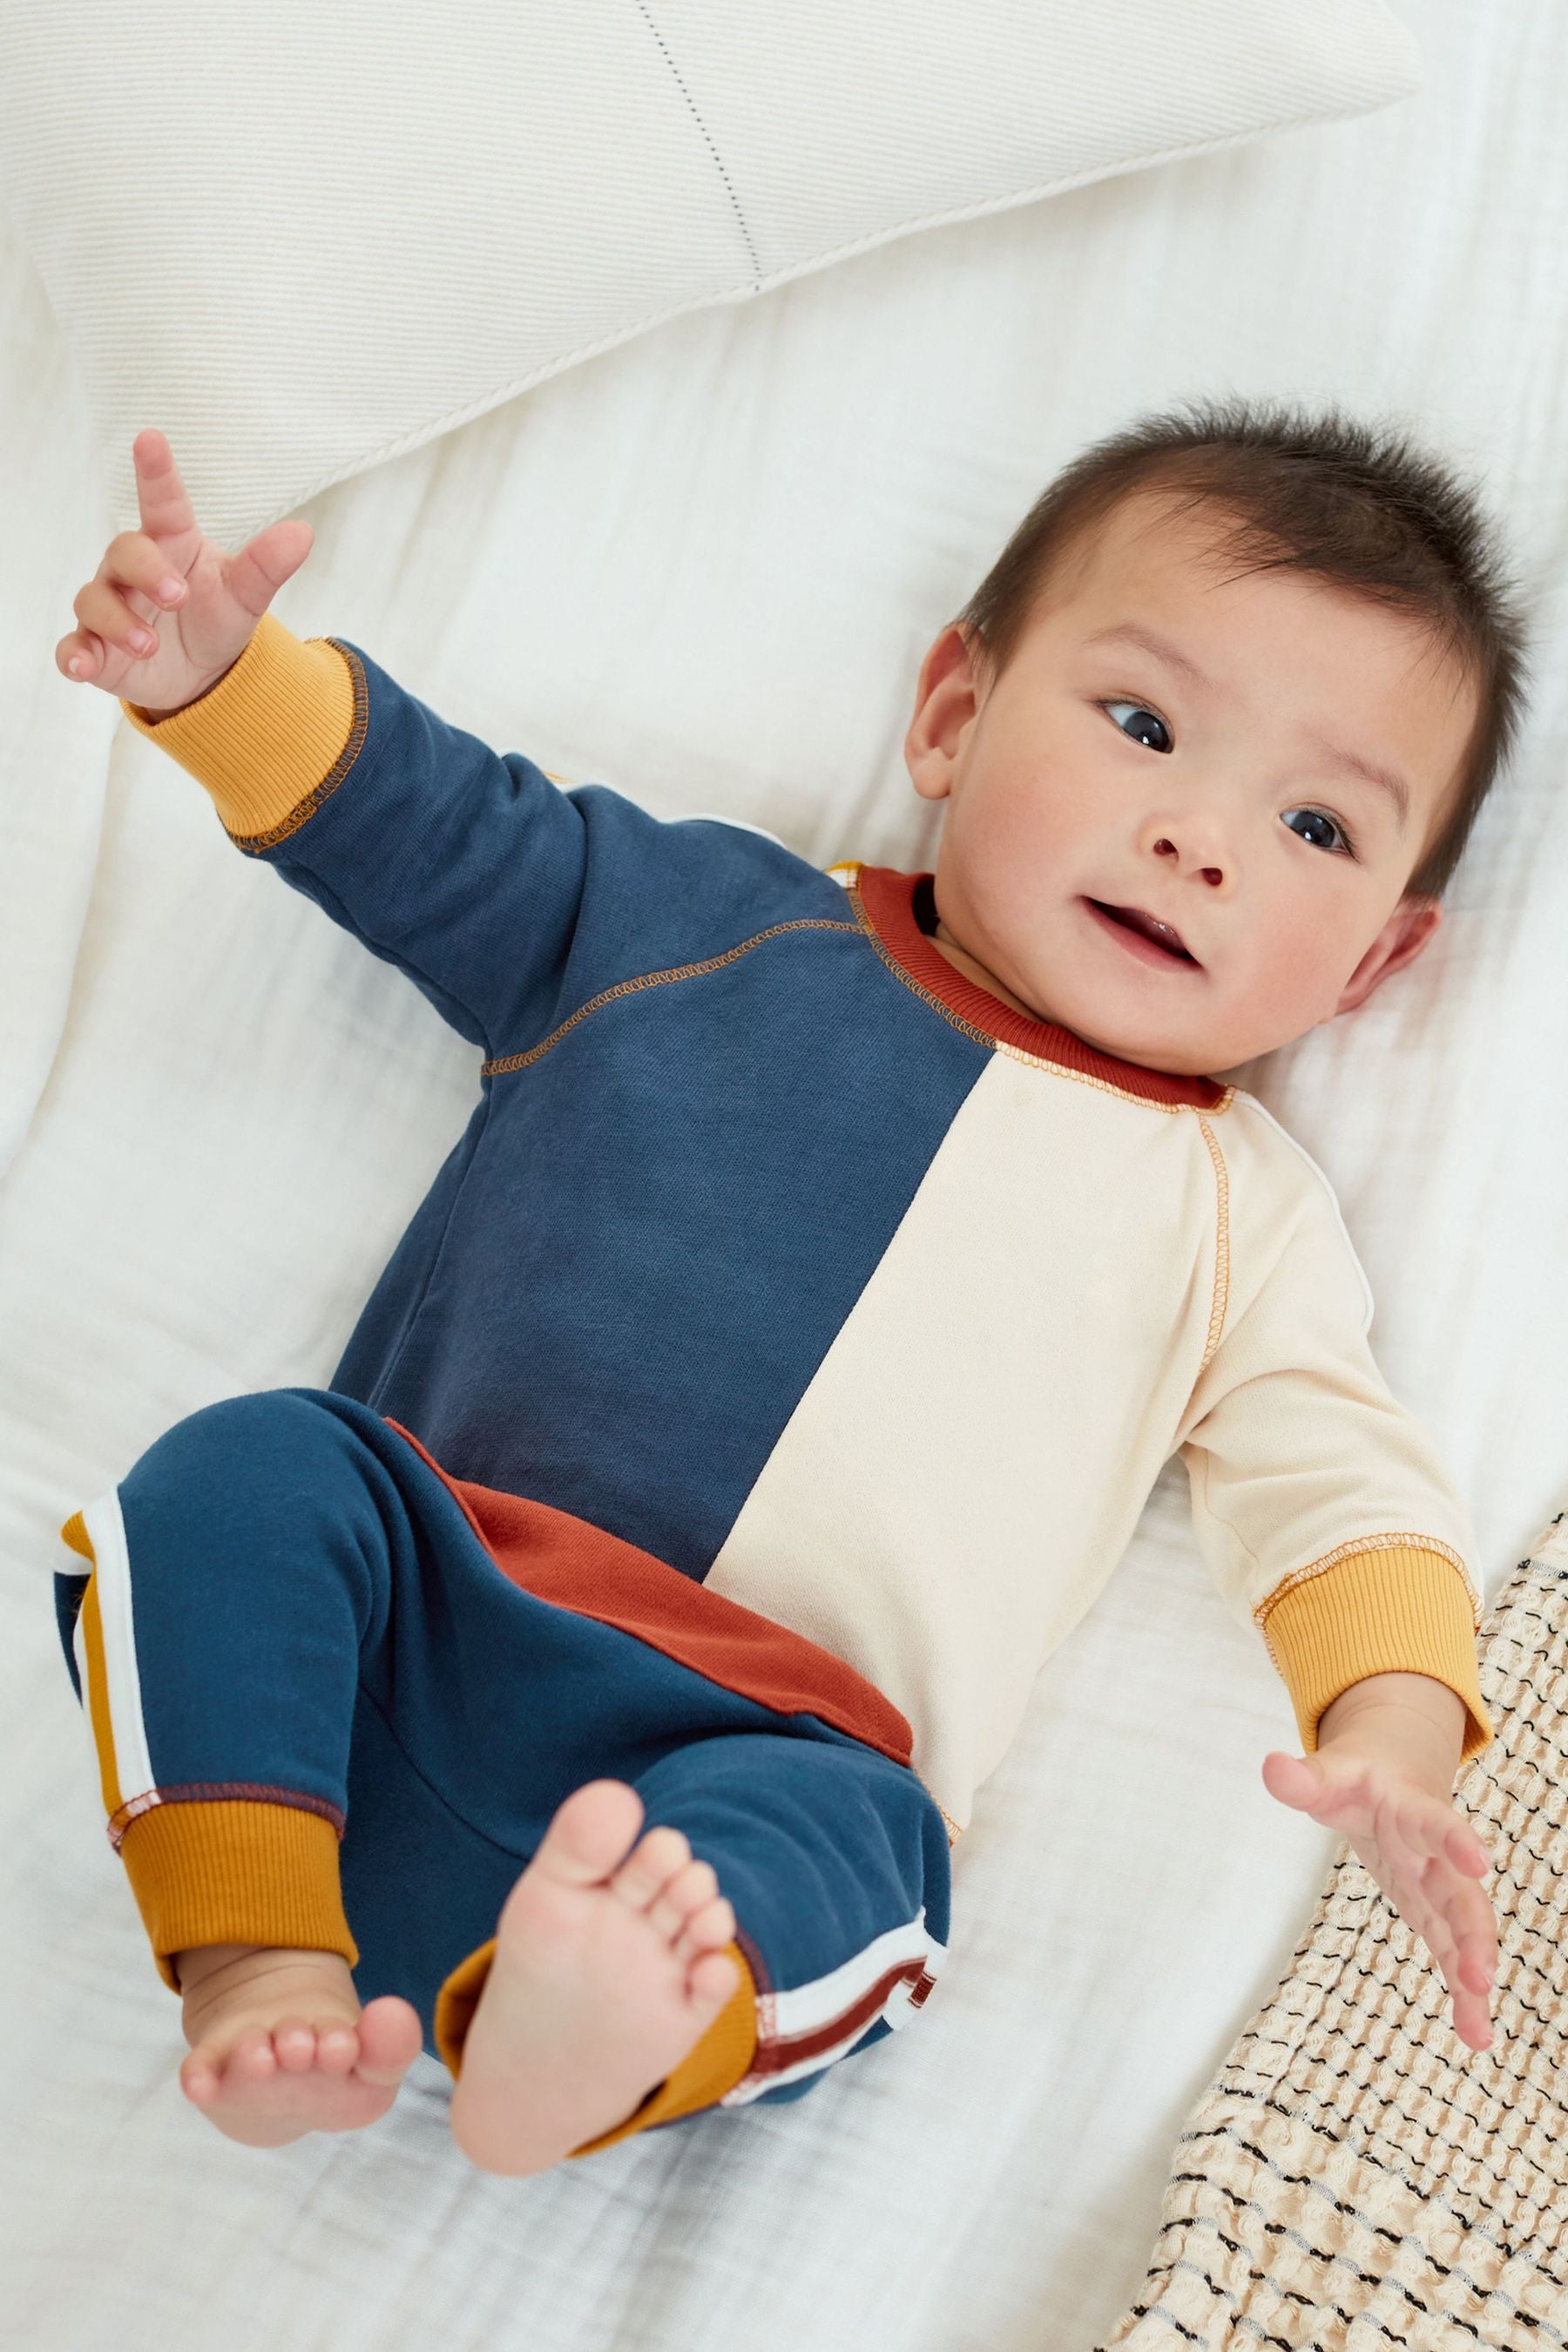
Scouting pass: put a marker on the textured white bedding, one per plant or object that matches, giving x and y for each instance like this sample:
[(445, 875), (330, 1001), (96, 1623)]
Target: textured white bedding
[(703, 568), (473, 202)]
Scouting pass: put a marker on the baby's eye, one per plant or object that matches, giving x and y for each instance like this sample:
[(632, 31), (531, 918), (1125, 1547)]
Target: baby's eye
[(1316, 816), (1146, 727)]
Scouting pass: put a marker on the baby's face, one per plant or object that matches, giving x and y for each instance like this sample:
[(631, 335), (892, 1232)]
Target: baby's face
[(1167, 738)]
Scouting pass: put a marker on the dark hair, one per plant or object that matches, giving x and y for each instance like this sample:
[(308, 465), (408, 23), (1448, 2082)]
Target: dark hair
[(1321, 493)]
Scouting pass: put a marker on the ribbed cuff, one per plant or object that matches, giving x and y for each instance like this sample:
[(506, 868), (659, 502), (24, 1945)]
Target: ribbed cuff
[(714, 2065), (456, 2003), (272, 737), (229, 1870), (1397, 1609)]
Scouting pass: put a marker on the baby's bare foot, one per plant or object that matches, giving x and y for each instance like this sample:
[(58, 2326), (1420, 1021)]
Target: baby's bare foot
[(279, 2045), (606, 1972)]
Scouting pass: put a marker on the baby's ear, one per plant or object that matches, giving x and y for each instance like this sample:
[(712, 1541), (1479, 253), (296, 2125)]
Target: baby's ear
[(1400, 941), (945, 700)]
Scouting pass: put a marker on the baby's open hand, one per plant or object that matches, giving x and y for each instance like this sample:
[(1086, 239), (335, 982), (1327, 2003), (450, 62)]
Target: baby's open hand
[(1422, 1855), (167, 613)]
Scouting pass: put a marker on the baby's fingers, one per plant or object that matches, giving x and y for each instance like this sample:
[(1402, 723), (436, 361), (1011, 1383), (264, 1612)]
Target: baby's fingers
[(1461, 1963), (1467, 1851), (1471, 1921), (142, 573), (108, 628), (1470, 1911), (161, 493), (133, 584), (1470, 1977), (1447, 1909)]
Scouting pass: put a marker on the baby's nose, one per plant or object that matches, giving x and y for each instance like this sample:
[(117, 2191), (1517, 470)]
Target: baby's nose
[(1214, 875)]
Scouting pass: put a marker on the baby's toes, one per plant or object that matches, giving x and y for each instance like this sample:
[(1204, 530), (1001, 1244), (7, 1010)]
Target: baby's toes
[(707, 1930), (211, 2071), (337, 2048), (389, 2038), (686, 1892), (711, 1981), (294, 2045), (252, 2059), (648, 1869), (201, 2077)]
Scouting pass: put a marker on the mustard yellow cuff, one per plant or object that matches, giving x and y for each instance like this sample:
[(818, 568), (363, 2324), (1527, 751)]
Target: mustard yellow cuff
[(276, 734), (231, 1870), (456, 2003), (712, 2066), (1395, 1608)]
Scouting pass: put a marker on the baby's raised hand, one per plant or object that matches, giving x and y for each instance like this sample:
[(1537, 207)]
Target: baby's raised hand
[(167, 612), (1422, 1855)]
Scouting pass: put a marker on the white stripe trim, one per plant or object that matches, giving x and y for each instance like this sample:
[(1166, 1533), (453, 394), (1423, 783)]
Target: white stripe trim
[(809, 2006), (782, 2016), (111, 1567)]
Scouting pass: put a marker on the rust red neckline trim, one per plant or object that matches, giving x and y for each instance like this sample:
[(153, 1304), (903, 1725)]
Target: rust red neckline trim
[(886, 898)]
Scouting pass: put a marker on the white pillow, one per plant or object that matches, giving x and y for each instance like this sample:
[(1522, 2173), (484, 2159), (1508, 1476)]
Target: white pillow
[(303, 239)]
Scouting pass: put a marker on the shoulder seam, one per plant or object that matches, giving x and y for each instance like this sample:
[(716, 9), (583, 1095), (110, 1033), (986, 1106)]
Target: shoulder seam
[(500, 1064)]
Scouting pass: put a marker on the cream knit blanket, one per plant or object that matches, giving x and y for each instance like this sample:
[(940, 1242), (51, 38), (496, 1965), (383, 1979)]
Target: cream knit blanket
[(1355, 2177)]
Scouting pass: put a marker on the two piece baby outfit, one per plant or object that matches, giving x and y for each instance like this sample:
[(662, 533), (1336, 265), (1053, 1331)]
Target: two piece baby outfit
[(770, 1380)]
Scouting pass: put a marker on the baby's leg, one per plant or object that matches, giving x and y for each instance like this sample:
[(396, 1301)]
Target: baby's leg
[(624, 1990), (237, 1576), (316, 1614)]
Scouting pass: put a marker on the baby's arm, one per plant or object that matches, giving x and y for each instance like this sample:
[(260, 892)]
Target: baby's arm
[(1333, 1524), (1383, 1775), (465, 867)]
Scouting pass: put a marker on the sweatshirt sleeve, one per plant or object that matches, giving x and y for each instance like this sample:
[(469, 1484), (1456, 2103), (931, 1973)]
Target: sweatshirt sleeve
[(1321, 1505), (461, 865)]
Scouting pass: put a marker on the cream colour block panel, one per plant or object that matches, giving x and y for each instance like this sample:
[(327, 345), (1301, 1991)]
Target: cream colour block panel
[(301, 240)]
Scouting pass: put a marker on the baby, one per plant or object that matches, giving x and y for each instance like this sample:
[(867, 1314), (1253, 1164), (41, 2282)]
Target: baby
[(590, 1683)]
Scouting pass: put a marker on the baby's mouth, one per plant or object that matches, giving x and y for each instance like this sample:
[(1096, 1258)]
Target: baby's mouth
[(1162, 936)]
